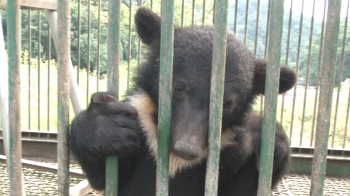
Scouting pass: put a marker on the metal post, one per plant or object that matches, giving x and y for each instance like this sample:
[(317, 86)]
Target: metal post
[(328, 63), (216, 98), (112, 84), (165, 94), (271, 92), (63, 62), (14, 63)]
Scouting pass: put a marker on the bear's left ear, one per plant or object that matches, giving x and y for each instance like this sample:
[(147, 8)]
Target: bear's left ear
[(147, 25), (287, 78)]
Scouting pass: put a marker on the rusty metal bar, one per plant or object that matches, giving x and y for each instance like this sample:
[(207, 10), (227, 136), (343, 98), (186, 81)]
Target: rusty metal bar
[(271, 93), (328, 63)]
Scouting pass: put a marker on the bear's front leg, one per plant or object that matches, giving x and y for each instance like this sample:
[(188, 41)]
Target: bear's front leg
[(107, 127)]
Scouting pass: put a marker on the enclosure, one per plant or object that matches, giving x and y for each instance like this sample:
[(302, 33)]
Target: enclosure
[(50, 48)]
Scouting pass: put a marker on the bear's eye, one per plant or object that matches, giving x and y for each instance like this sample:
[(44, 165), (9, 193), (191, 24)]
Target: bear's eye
[(227, 106), (179, 88)]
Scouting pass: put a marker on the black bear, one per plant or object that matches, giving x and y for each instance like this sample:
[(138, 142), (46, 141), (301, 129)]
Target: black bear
[(128, 129)]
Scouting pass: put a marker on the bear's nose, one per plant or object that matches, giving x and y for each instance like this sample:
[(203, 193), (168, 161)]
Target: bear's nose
[(187, 151)]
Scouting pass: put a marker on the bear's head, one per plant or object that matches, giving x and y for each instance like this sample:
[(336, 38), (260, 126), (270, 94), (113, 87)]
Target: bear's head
[(193, 47)]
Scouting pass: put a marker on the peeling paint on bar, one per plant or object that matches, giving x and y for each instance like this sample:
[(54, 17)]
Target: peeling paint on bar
[(216, 98), (328, 63), (165, 94), (271, 92)]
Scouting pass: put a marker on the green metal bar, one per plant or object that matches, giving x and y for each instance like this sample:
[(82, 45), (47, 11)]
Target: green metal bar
[(318, 75), (328, 63), (63, 63), (88, 51), (111, 176), (39, 65), (308, 67), (246, 22), (98, 46), (297, 74), (112, 84), (113, 47), (271, 92), (342, 61), (14, 62), (165, 86), (216, 100)]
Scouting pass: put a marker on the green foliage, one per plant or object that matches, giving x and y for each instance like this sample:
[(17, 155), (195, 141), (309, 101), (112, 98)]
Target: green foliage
[(343, 58)]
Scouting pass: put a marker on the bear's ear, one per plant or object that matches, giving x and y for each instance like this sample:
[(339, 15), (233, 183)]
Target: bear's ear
[(147, 25), (287, 78)]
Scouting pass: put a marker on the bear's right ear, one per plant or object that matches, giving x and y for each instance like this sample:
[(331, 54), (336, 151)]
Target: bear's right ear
[(147, 25)]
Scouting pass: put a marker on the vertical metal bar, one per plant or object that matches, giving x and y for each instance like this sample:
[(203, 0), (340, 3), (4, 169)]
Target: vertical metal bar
[(265, 52), (297, 73), (75, 94), (342, 61), (4, 93), (213, 11), (88, 51), (129, 45), (48, 77), (63, 60), (307, 69), (182, 12), (325, 99), (165, 95), (271, 93), (203, 13), (39, 65), (112, 84), (246, 21), (318, 75), (79, 32), (139, 45), (346, 122), (29, 65), (257, 27), (98, 46), (216, 102), (14, 63), (287, 54), (235, 22), (193, 10)]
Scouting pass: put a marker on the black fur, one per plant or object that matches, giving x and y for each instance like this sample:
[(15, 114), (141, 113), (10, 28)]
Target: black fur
[(109, 127)]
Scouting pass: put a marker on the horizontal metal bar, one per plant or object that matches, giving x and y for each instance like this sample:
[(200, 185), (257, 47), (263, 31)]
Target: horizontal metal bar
[(52, 168), (33, 4)]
